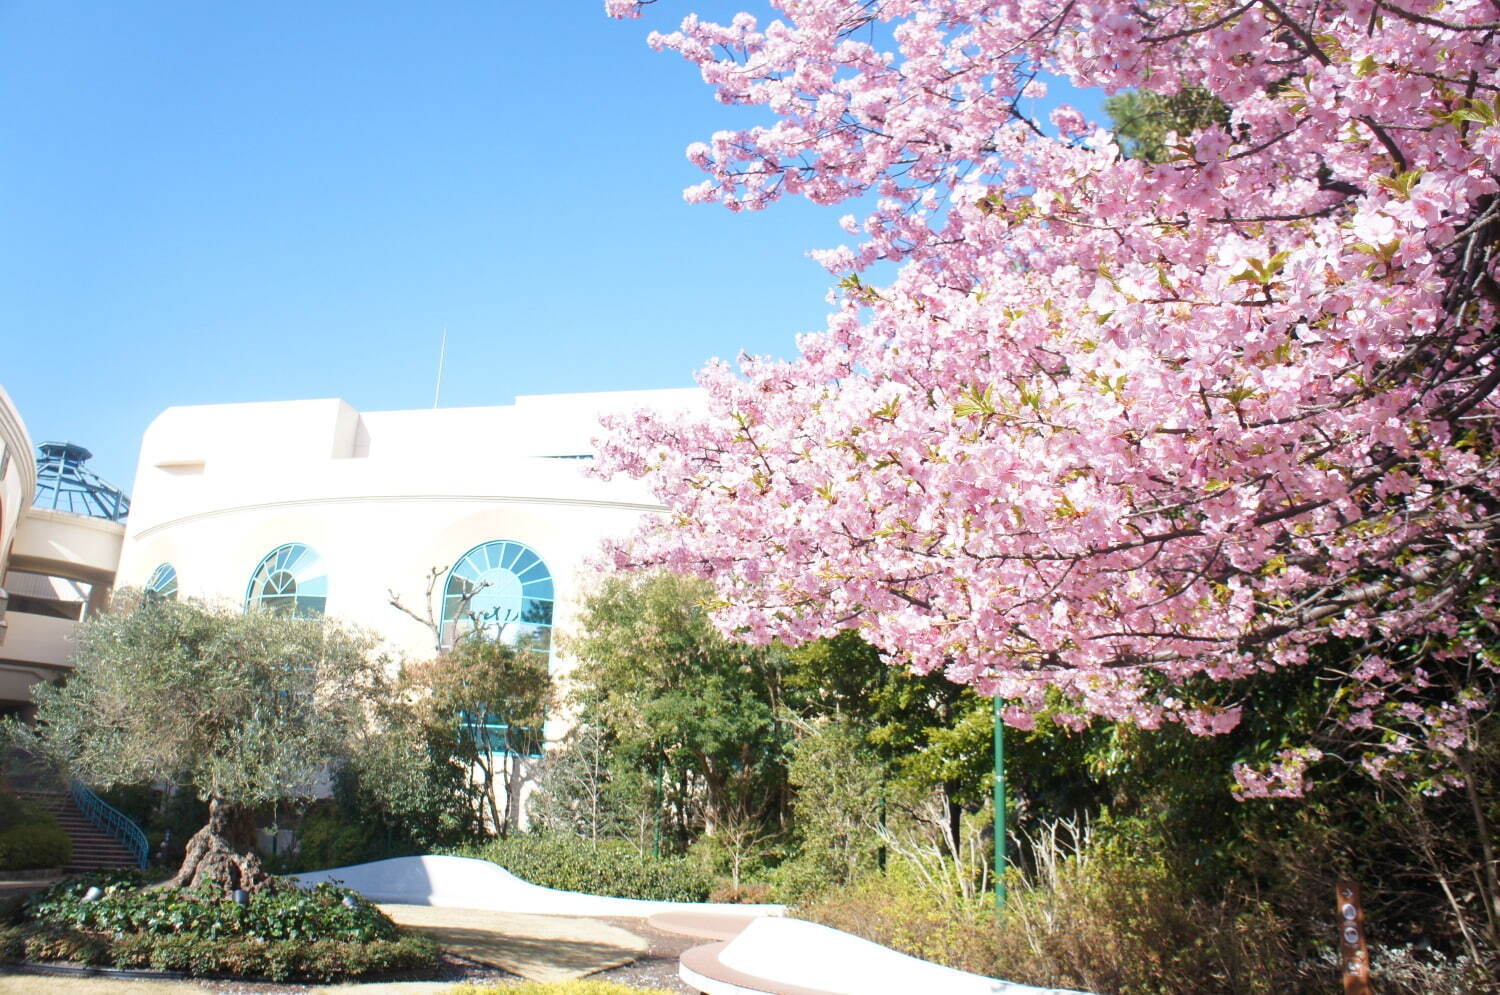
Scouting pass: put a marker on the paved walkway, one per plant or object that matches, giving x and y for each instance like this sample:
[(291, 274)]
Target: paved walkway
[(538, 948), (24, 984)]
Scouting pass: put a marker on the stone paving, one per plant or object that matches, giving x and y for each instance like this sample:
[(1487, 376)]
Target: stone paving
[(539, 948)]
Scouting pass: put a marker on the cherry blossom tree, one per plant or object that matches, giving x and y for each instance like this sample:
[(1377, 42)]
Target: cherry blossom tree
[(1116, 434)]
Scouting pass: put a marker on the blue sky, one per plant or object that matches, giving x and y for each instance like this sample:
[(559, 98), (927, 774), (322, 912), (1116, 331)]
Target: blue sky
[(231, 202)]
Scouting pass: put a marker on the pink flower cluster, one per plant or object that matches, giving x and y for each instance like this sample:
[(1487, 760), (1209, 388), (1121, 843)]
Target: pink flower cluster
[(1113, 425)]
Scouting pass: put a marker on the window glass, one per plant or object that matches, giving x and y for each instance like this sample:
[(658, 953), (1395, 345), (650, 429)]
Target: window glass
[(163, 583), (499, 590), (290, 580)]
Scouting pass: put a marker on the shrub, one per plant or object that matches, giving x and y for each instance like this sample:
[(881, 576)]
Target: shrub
[(30, 837), (282, 912), (603, 867), (34, 844), (1085, 918), (327, 840), (205, 956), (282, 934)]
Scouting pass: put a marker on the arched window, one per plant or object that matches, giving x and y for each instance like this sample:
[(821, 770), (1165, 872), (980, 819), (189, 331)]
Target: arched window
[(290, 580), (163, 583), (499, 590)]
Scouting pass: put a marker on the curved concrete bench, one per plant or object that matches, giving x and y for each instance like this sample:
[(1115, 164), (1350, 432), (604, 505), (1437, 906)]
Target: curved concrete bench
[(466, 883), (780, 956), (701, 925)]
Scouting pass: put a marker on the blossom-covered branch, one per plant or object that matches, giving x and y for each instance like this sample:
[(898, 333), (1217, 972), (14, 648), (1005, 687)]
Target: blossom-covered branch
[(1115, 426)]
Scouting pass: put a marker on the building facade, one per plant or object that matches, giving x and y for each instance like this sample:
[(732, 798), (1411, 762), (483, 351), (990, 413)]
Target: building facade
[(61, 533), (464, 517)]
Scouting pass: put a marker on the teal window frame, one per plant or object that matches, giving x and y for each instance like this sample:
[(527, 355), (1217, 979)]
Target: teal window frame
[(494, 736), (162, 583), (295, 571), (524, 601)]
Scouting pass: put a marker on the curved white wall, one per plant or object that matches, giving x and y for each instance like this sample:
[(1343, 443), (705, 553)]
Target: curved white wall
[(62, 544), (18, 481)]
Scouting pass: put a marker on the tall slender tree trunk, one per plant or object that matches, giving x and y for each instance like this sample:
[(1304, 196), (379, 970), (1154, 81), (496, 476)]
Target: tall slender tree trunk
[(1489, 882)]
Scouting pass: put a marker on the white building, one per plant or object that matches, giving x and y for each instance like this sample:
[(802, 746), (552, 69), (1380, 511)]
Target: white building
[(314, 506), (60, 542)]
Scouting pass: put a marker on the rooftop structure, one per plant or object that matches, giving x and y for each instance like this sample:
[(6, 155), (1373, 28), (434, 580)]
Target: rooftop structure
[(63, 484)]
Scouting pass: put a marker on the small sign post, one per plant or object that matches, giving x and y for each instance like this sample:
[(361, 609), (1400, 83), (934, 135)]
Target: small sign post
[(1354, 954)]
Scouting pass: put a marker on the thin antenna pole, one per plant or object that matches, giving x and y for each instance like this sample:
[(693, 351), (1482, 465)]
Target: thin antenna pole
[(442, 354)]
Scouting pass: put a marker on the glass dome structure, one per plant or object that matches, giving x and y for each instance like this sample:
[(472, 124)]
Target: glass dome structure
[(63, 484)]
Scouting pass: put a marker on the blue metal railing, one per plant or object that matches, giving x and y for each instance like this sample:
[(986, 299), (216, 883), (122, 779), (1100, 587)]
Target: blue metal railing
[(112, 821)]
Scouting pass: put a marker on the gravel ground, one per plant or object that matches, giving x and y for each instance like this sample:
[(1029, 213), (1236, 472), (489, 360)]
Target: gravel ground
[(657, 968)]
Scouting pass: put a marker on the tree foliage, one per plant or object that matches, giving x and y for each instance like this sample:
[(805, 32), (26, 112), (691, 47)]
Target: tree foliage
[(1120, 433), (244, 708), (486, 701), (669, 689), (1144, 121), (406, 789)]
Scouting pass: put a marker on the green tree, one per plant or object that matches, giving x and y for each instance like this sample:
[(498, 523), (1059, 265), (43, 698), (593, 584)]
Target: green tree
[(668, 689), (406, 786), (929, 732), (839, 782), (246, 708), (494, 697), (581, 792)]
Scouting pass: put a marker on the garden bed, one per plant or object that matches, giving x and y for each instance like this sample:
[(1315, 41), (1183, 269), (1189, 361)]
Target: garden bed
[(281, 933)]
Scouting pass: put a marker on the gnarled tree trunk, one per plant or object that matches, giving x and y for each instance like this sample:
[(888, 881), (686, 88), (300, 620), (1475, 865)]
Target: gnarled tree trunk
[(222, 853)]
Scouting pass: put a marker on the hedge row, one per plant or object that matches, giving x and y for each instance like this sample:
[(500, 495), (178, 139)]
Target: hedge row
[(603, 867)]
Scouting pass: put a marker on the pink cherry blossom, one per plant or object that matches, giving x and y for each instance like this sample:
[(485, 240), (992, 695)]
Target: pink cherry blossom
[(1113, 427)]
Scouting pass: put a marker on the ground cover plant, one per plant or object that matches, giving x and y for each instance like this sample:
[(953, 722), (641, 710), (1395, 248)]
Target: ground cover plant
[(281, 932)]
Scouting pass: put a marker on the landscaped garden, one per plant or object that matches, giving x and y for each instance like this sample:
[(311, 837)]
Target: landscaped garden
[(1163, 457)]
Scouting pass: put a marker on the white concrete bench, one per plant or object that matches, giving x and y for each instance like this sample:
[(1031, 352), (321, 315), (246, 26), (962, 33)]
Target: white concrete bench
[(782, 956), (466, 883)]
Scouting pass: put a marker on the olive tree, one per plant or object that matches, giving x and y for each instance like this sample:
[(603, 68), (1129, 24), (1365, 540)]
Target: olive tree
[(246, 709)]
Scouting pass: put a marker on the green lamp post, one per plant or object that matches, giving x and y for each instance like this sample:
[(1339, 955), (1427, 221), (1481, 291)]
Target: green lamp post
[(999, 807)]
